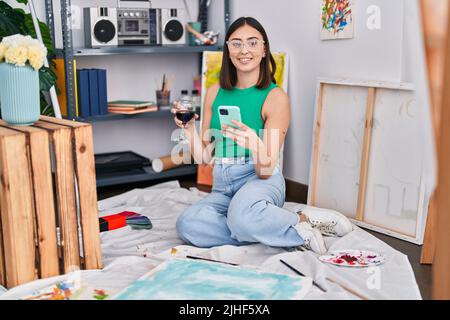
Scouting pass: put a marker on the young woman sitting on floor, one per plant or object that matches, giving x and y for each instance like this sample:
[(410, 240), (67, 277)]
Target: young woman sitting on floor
[(248, 193)]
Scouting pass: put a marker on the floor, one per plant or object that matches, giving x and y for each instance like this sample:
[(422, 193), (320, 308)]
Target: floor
[(422, 272)]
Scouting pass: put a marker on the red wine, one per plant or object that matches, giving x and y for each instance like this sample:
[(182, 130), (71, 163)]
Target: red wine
[(185, 115)]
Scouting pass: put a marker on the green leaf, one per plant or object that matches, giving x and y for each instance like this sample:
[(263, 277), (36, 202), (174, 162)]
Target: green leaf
[(46, 109), (11, 20), (23, 1), (47, 79), (45, 31)]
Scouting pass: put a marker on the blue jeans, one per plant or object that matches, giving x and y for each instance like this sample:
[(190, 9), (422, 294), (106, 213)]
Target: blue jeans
[(241, 209)]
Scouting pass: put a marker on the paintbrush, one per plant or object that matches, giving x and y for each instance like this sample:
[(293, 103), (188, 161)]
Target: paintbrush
[(163, 83), (168, 83), (353, 292), (199, 258), (301, 274)]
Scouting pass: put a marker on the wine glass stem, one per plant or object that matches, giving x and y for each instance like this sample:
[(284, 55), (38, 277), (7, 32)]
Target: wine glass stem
[(182, 134)]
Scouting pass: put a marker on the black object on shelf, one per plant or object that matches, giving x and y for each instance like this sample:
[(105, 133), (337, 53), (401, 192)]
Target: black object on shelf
[(113, 163), (144, 174), (117, 168)]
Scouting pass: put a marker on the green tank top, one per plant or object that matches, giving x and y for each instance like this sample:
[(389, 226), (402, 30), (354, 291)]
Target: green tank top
[(250, 101)]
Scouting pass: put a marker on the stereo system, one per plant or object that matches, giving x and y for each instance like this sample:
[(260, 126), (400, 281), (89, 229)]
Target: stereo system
[(134, 26)]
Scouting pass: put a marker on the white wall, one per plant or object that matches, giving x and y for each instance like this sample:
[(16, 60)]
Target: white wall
[(393, 53)]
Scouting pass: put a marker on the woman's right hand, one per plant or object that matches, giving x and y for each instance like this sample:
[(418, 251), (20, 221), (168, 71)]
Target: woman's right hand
[(177, 106)]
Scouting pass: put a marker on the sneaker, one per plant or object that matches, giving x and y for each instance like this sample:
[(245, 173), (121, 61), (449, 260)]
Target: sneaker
[(312, 238), (328, 222)]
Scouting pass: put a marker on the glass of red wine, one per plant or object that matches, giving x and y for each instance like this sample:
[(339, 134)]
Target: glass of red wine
[(185, 114)]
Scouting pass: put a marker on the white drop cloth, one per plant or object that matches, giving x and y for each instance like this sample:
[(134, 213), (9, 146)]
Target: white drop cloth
[(129, 254)]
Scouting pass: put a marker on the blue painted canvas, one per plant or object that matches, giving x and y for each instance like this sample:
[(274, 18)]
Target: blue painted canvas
[(199, 280)]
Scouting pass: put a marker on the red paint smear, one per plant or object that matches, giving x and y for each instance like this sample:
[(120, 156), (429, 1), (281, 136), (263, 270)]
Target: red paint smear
[(349, 259)]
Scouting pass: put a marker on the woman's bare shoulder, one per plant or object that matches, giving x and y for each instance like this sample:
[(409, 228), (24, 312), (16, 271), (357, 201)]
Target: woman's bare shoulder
[(277, 94), (276, 104)]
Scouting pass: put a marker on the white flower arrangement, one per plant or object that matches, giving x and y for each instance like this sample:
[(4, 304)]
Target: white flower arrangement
[(19, 49)]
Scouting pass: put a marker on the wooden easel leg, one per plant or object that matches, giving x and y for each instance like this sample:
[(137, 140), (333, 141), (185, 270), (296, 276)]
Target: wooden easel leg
[(434, 22), (441, 265), (429, 242)]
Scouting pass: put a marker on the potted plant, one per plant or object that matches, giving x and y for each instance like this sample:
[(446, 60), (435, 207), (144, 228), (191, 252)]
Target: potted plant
[(21, 57), (16, 21)]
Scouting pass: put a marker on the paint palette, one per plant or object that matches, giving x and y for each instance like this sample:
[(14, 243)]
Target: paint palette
[(353, 258)]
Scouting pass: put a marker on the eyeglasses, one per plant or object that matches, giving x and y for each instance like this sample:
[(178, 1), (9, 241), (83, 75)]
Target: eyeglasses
[(238, 45)]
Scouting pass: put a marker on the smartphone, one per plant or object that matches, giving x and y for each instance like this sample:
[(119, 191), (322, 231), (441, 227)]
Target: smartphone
[(228, 113)]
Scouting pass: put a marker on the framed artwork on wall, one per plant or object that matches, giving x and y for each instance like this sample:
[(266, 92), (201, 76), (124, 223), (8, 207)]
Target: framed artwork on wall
[(336, 20)]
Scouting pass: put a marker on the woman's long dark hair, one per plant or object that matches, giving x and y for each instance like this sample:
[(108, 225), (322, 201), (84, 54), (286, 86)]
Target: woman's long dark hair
[(267, 67)]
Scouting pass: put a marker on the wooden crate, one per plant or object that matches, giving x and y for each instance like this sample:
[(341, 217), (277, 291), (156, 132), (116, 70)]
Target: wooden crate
[(45, 171)]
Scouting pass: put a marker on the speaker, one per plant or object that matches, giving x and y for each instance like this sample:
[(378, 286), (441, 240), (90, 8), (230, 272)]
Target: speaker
[(100, 27), (172, 26)]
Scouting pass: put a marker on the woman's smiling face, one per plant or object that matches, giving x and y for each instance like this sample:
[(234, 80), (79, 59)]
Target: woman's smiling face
[(246, 48)]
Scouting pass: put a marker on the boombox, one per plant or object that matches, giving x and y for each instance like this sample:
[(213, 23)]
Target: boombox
[(134, 26), (100, 27), (172, 26)]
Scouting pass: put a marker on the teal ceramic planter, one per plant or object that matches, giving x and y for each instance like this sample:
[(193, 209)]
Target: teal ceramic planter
[(19, 94)]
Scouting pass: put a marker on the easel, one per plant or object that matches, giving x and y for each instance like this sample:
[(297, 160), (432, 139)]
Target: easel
[(436, 247), (434, 26)]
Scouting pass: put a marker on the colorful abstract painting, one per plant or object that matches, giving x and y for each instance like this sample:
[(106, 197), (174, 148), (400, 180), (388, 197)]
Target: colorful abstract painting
[(181, 279), (337, 19)]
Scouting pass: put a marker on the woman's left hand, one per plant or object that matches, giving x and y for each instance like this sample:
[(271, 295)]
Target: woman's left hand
[(243, 135)]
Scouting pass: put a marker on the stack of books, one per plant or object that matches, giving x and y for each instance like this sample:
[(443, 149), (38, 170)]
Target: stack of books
[(131, 106), (92, 92)]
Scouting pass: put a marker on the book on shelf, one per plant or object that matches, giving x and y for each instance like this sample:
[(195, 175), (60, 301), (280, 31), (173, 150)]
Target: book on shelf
[(93, 92), (133, 110), (83, 92), (130, 104), (102, 91), (125, 109)]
